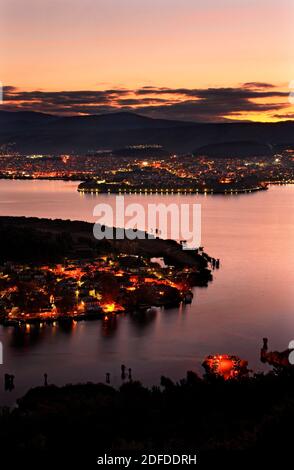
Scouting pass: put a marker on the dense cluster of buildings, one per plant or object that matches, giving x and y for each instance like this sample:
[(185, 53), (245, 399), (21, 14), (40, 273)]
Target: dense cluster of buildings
[(129, 171), (93, 288)]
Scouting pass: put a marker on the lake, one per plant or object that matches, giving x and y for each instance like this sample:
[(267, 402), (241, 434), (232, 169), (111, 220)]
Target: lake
[(251, 295)]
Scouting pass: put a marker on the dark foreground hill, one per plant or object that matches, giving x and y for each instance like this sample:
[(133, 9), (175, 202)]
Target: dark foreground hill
[(42, 133), (230, 422)]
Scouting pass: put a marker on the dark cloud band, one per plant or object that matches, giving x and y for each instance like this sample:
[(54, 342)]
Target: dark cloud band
[(198, 104)]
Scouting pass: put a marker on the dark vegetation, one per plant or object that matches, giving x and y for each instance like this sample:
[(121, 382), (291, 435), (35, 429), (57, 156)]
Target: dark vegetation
[(29, 245), (44, 240), (209, 415)]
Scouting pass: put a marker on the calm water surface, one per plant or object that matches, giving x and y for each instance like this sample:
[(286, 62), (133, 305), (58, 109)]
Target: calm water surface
[(250, 297)]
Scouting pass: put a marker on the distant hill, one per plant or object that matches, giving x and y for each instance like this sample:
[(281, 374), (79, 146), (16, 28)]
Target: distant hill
[(16, 121), (44, 133), (235, 149)]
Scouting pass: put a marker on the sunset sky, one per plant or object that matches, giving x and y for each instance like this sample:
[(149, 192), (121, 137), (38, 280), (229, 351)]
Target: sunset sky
[(205, 60)]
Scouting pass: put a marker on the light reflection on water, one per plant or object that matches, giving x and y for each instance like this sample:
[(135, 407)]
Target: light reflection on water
[(250, 297)]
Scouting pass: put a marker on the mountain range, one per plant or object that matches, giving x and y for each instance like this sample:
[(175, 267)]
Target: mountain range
[(33, 132)]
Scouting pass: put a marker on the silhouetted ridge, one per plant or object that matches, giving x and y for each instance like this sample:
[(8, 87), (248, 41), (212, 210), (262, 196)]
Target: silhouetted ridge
[(43, 133)]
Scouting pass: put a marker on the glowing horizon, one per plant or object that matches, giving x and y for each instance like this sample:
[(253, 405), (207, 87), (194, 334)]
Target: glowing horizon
[(70, 46)]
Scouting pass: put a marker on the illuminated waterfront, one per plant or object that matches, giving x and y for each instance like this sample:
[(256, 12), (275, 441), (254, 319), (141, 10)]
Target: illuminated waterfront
[(249, 298)]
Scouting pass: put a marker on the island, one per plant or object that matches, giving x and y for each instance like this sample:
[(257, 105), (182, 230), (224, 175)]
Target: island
[(173, 186)]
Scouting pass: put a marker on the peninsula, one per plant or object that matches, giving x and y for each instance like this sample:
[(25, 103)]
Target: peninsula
[(55, 270)]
